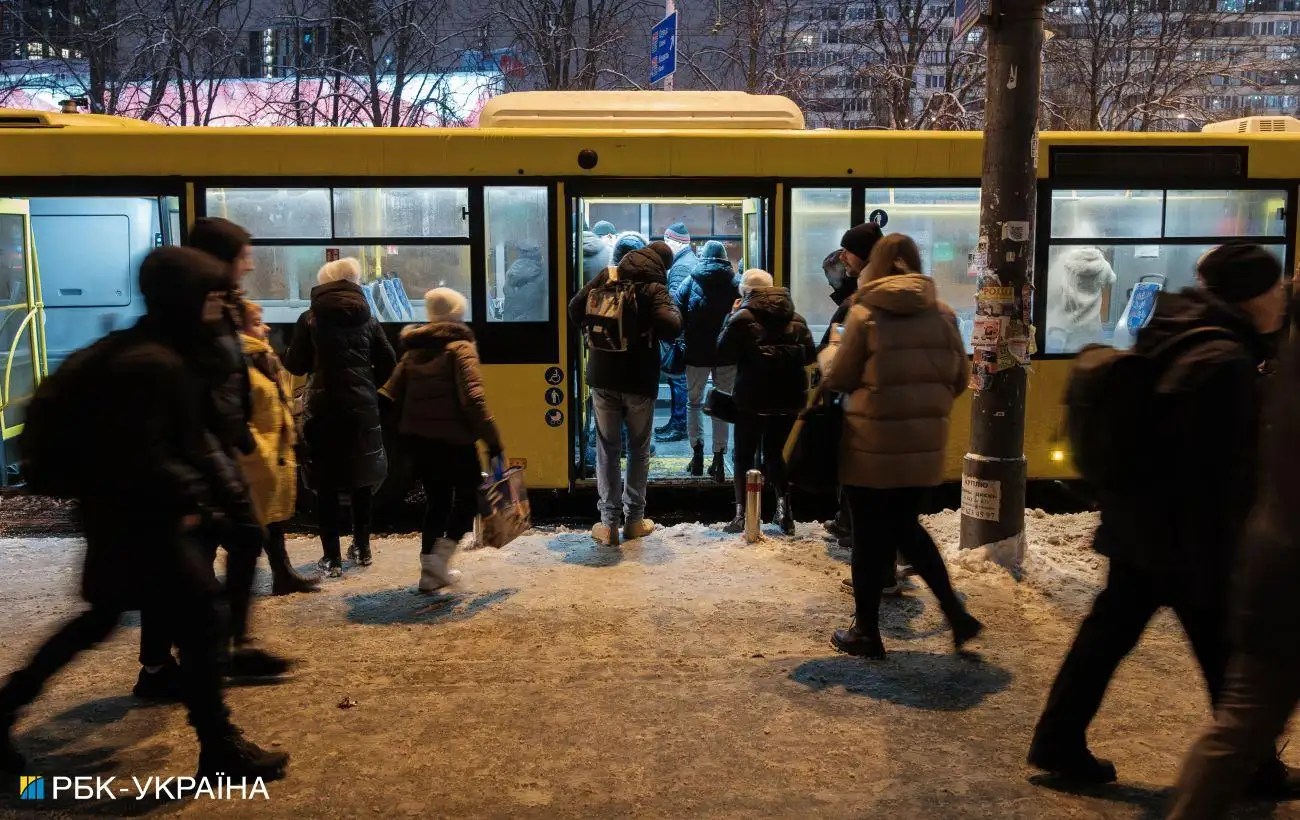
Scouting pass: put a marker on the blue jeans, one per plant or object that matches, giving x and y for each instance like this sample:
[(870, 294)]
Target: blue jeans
[(613, 411), (677, 390)]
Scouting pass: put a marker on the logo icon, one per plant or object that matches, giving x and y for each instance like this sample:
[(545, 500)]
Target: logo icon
[(554, 375), (554, 396), (31, 787), (554, 418)]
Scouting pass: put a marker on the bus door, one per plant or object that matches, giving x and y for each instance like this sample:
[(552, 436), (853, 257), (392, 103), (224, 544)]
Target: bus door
[(21, 362), (738, 220)]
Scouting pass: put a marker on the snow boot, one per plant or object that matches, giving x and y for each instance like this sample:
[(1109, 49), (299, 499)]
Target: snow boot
[(285, 580), (718, 469), (161, 686), (434, 572), (783, 517), (605, 535), (737, 524), (696, 467), (638, 529), (855, 641), (232, 756)]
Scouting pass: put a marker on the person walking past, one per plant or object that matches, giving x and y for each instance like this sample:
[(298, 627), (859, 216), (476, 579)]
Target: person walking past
[(135, 404), (678, 240), (437, 396), (271, 470), (770, 346), (624, 384), (342, 349), (901, 364), (705, 299), (1175, 543)]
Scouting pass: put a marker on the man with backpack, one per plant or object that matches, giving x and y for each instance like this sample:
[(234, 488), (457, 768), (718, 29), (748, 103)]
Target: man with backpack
[(624, 317), (1167, 435), (121, 428)]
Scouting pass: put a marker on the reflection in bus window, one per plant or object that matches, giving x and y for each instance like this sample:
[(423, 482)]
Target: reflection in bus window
[(1225, 213), (13, 267), (818, 218), (518, 262), (274, 213), (401, 212)]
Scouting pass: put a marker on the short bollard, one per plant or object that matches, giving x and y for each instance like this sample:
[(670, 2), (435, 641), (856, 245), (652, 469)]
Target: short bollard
[(753, 502)]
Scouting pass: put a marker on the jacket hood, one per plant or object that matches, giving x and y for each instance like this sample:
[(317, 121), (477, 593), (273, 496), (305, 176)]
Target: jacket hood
[(592, 245), (714, 272), (904, 294), (254, 346), (436, 335), (643, 265), (1191, 308), (524, 270), (341, 304), (1087, 270), (770, 306)]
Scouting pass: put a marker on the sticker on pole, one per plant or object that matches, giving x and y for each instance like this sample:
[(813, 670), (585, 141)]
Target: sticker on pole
[(981, 498), (663, 49)]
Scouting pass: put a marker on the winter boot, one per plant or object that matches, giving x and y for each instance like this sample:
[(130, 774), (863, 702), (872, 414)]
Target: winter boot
[(965, 628), (718, 469), (670, 432), (160, 686), (234, 757), (856, 641), (361, 545), (638, 529), (434, 572), (334, 567), (605, 535), (1078, 766), (783, 518), (285, 580), (737, 524), (696, 467)]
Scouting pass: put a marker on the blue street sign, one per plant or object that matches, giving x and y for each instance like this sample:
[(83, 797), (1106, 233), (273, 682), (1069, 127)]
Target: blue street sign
[(663, 49), (966, 14)]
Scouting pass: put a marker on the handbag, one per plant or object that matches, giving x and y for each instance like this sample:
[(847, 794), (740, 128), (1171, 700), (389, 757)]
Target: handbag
[(721, 406), (504, 512), (672, 357), (812, 451)]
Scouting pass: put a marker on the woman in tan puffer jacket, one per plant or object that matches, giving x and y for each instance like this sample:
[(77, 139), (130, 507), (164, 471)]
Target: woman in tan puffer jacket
[(901, 363)]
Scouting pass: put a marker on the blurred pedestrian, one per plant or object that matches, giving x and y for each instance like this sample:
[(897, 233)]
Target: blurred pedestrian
[(705, 299), (770, 346), (442, 413), (343, 348), (684, 261), (525, 290), (902, 364)]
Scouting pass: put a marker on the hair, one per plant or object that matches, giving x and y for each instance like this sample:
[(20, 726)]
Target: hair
[(248, 311), (346, 269), (893, 255), (219, 237)]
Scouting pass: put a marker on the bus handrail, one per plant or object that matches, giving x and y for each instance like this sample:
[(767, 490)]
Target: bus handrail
[(13, 349)]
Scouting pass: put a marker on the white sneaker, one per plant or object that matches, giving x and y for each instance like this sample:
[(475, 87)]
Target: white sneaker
[(605, 535), (638, 529)]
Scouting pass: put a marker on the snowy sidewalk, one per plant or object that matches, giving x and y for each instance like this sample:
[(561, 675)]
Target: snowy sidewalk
[(685, 675)]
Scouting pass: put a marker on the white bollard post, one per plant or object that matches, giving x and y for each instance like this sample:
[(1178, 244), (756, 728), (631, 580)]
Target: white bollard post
[(753, 503)]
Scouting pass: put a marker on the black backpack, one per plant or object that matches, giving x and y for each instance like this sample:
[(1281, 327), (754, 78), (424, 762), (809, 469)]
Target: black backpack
[(1113, 409), (612, 321), (57, 432)]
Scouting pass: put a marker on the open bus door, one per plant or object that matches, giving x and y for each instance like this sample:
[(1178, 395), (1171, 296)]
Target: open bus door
[(22, 364)]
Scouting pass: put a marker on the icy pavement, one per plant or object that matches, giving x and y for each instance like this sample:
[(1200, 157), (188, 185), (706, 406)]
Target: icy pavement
[(683, 675)]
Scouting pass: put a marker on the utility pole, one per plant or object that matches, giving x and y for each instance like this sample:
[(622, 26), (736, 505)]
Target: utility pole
[(993, 476)]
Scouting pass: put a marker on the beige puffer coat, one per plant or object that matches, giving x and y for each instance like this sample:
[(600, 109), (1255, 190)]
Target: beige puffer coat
[(901, 364)]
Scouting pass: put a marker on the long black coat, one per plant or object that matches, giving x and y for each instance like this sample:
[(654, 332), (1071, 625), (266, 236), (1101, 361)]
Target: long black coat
[(770, 345), (344, 349)]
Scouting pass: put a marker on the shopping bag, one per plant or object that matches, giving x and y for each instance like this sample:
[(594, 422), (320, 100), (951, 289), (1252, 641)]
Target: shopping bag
[(812, 452), (720, 405), (503, 509)]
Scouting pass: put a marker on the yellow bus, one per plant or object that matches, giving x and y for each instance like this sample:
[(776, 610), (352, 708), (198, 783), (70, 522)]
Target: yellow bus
[(491, 209)]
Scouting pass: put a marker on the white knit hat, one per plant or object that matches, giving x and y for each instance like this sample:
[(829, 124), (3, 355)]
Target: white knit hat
[(346, 269), (445, 305), (755, 278)]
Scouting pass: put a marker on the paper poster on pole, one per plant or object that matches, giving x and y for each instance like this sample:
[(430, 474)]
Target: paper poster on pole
[(981, 498)]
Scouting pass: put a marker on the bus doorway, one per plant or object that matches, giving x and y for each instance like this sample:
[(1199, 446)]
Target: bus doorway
[(739, 223)]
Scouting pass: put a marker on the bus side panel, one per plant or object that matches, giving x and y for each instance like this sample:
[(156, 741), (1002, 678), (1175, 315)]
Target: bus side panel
[(533, 430)]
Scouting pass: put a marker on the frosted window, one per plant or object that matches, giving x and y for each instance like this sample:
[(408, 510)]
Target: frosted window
[(1106, 214), (818, 218), (401, 212), (518, 255), (1225, 213), (274, 213)]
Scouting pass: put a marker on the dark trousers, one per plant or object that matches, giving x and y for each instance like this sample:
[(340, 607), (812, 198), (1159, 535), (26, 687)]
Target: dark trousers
[(1258, 697), (755, 433), (327, 517), (188, 604), (885, 523), (450, 475), (1119, 617), (680, 395)]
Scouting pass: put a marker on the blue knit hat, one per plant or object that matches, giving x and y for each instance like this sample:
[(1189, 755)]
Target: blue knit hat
[(677, 233), (713, 249), (626, 243), (604, 228)]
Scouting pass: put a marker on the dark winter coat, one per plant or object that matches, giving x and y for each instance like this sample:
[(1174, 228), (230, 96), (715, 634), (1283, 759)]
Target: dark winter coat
[(525, 290), (684, 264), (346, 354), (1189, 525), (437, 388), (231, 406), (901, 364), (595, 256), (705, 299), (636, 370), (771, 346)]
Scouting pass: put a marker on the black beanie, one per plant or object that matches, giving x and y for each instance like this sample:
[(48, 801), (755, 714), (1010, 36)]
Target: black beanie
[(1239, 271), (219, 237), (665, 252), (860, 239), (175, 282)]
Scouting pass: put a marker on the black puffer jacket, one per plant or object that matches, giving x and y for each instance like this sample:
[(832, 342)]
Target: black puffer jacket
[(1186, 529), (705, 300), (525, 290), (348, 356), (770, 345), (437, 388), (232, 399), (636, 370)]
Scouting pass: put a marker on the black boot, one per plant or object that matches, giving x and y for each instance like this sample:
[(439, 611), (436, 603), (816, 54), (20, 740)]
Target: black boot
[(718, 469), (285, 580), (362, 546), (965, 628), (163, 686), (234, 757), (855, 641), (696, 467), (738, 523), (1078, 766), (783, 518)]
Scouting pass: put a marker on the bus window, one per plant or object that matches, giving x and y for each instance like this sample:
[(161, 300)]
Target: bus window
[(1106, 214), (401, 212), (518, 258), (818, 218), (1225, 213), (274, 213), (13, 265)]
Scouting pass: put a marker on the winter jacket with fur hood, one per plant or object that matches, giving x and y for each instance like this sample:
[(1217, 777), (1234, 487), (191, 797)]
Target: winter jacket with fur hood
[(272, 468), (771, 346), (901, 363), (1077, 282), (437, 388)]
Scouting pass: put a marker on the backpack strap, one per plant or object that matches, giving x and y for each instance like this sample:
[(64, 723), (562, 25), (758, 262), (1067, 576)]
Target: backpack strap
[(1170, 349)]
